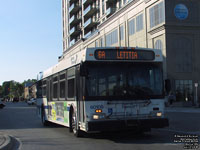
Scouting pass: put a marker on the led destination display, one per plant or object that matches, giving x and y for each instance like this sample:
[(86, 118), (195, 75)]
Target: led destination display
[(124, 54)]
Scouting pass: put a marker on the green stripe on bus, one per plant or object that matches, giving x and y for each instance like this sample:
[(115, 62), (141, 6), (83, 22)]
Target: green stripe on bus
[(65, 113)]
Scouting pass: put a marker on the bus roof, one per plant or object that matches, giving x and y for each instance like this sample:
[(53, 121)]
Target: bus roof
[(104, 54)]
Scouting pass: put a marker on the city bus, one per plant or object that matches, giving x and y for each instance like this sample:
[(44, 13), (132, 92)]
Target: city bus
[(104, 89)]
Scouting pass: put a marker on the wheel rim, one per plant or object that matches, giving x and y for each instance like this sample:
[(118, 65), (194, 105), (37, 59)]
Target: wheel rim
[(74, 123), (43, 117)]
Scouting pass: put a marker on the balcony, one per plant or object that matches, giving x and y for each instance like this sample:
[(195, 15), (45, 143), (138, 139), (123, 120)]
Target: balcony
[(89, 11), (90, 23), (74, 20), (72, 1), (111, 1), (86, 2), (110, 11), (75, 31), (88, 34), (74, 8), (72, 42)]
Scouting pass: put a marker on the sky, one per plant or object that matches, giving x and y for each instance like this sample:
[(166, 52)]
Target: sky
[(30, 37)]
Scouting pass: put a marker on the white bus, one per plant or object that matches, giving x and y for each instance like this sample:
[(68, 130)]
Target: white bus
[(104, 89)]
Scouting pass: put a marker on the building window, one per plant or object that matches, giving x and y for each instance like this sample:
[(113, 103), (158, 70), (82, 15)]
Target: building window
[(112, 38), (158, 45), (96, 43), (102, 42), (124, 2), (103, 10), (121, 33), (182, 48), (156, 14), (139, 22), (184, 90), (120, 3), (71, 88), (131, 27)]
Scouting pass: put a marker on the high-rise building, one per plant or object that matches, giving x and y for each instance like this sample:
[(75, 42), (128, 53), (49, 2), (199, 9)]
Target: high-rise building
[(170, 25)]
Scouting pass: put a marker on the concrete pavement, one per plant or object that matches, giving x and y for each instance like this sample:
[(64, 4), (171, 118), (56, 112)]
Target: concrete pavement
[(6, 142), (183, 109)]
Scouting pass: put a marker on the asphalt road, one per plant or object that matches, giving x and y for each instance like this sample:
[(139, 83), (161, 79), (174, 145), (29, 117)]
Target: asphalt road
[(20, 121)]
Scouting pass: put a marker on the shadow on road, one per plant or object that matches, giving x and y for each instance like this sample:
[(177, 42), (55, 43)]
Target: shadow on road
[(129, 137), (21, 116)]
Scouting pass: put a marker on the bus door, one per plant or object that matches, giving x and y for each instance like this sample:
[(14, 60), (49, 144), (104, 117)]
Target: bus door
[(49, 93), (79, 94)]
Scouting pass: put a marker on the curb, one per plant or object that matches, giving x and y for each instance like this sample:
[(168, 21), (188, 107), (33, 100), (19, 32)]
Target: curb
[(7, 144)]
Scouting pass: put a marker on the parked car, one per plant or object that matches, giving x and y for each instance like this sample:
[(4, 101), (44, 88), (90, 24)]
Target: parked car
[(15, 99), (2, 105), (32, 101)]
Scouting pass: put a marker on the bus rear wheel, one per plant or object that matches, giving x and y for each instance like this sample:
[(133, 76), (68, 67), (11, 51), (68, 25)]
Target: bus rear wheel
[(43, 119)]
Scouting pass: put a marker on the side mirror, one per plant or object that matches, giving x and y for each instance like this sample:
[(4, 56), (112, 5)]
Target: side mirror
[(83, 70), (167, 85)]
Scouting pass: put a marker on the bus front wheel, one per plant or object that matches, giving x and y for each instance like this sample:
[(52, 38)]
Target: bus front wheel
[(74, 125)]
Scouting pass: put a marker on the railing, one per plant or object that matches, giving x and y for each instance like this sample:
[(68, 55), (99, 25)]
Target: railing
[(84, 1), (110, 11), (71, 19), (88, 34), (71, 7), (87, 22), (87, 10), (72, 42), (87, 1), (72, 30)]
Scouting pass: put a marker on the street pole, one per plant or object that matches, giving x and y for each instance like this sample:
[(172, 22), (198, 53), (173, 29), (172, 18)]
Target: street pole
[(196, 94)]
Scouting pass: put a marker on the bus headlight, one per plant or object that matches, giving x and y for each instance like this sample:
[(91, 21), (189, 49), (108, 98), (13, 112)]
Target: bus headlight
[(155, 114), (158, 114), (98, 116)]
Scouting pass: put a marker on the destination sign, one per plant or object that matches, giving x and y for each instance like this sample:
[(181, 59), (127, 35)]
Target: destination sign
[(124, 54)]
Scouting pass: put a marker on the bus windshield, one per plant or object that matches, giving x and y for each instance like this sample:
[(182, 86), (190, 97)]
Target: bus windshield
[(120, 81)]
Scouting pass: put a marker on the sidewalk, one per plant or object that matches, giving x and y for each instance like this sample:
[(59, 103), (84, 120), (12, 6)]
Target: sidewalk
[(182, 107), (5, 142)]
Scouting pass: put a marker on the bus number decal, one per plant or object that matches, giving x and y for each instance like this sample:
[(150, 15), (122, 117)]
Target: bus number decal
[(96, 107)]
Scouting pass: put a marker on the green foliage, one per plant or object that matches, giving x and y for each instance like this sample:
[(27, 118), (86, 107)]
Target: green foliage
[(11, 89)]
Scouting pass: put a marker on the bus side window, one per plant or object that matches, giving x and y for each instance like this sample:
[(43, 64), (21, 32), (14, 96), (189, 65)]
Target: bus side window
[(71, 87), (39, 89), (62, 87), (44, 88), (71, 83), (55, 88)]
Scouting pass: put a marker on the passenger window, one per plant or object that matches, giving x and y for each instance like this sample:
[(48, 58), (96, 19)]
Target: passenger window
[(71, 88)]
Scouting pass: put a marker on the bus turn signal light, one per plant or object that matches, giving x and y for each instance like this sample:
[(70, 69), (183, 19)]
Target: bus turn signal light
[(98, 111), (91, 54)]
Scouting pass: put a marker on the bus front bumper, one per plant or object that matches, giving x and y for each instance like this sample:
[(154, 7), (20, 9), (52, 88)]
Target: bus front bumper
[(134, 124)]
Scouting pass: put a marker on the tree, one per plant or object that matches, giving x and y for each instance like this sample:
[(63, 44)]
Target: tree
[(11, 89), (6, 88), (1, 91)]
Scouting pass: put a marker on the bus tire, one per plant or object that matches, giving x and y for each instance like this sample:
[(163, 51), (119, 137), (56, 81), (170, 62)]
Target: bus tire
[(70, 120), (77, 132), (43, 119)]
